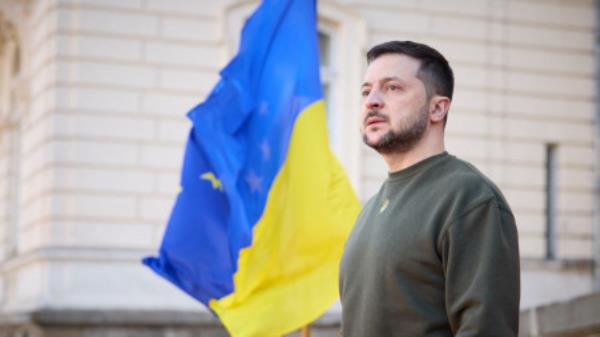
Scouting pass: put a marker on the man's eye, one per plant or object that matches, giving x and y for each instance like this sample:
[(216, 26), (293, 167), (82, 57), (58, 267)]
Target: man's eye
[(365, 93), (393, 87)]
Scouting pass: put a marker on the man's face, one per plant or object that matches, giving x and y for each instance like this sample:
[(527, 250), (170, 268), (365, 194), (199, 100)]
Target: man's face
[(395, 110)]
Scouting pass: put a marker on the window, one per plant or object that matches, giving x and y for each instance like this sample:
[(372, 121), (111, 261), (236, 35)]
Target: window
[(551, 201), (328, 81), (342, 39)]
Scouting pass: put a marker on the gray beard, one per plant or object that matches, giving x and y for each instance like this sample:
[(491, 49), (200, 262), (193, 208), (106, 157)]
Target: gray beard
[(404, 140)]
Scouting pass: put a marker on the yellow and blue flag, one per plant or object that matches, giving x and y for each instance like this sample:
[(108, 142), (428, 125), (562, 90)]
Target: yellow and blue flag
[(258, 228)]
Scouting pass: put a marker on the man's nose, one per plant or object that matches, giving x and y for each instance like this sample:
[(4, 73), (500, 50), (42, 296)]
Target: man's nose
[(374, 100)]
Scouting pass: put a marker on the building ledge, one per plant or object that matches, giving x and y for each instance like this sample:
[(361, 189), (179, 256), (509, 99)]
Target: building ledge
[(578, 317), (65, 317), (50, 317), (568, 265)]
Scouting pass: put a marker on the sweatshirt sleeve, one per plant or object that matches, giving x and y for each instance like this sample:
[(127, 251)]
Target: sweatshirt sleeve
[(480, 255)]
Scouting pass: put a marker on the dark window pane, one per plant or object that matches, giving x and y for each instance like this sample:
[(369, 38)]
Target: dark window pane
[(324, 48)]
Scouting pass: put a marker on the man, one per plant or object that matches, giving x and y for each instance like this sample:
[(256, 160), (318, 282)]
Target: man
[(435, 251)]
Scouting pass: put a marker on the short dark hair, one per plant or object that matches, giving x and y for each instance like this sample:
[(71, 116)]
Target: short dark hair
[(434, 72)]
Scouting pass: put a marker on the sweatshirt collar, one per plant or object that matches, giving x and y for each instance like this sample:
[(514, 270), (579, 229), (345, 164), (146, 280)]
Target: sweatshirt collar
[(417, 167)]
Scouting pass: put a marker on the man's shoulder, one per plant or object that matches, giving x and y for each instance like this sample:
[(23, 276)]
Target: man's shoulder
[(463, 180), (465, 173), (463, 190)]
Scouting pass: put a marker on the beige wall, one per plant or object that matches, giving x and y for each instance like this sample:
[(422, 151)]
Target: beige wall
[(111, 81)]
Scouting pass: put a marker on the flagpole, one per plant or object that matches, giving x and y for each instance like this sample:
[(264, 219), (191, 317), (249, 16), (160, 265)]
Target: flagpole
[(306, 331)]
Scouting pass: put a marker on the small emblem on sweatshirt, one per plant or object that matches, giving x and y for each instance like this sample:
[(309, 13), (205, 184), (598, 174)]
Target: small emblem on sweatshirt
[(384, 205)]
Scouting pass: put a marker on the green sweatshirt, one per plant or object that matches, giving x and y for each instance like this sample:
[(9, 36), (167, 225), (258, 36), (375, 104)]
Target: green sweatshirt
[(433, 253)]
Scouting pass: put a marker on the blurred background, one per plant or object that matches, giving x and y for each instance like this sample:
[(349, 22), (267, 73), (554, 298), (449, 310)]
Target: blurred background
[(93, 97)]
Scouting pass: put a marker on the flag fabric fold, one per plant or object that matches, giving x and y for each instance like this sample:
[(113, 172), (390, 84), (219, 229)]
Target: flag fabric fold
[(258, 228)]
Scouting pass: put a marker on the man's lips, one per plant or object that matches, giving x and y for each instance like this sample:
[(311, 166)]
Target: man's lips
[(374, 120)]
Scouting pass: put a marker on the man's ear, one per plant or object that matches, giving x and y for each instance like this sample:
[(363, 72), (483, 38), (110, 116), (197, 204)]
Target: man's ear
[(438, 108)]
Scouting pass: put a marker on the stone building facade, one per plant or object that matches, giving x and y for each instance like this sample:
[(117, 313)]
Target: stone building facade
[(93, 96)]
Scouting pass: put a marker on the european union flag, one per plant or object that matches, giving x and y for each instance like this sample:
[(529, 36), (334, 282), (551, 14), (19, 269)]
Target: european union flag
[(257, 231)]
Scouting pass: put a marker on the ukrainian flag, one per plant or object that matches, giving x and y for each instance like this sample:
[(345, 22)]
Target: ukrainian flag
[(258, 228)]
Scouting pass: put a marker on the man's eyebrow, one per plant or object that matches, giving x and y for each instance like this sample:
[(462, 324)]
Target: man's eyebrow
[(384, 80), (391, 78)]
